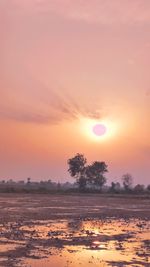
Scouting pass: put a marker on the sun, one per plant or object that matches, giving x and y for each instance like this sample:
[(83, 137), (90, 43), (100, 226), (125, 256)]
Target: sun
[(98, 130)]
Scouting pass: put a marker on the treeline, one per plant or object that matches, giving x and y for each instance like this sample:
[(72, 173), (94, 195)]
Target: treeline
[(88, 179), (11, 186), (29, 186), (92, 178)]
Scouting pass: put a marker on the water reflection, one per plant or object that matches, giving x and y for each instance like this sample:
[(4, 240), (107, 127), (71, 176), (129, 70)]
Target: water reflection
[(75, 242)]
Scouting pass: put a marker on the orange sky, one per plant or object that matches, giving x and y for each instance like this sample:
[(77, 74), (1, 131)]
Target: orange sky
[(64, 65)]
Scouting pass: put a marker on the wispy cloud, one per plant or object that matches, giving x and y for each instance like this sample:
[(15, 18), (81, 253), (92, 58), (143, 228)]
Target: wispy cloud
[(51, 109), (54, 116), (99, 11), (106, 11), (33, 102)]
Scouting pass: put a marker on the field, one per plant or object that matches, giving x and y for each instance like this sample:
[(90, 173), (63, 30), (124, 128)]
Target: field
[(72, 230)]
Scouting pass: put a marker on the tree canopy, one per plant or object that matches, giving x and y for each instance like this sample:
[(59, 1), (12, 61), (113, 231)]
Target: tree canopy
[(91, 175)]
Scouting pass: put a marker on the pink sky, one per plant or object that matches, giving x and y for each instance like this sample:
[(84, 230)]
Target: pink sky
[(63, 62)]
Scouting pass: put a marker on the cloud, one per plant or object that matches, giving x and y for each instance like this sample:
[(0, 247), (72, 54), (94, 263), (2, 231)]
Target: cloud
[(25, 98), (53, 117), (108, 12), (95, 11), (27, 117), (53, 110)]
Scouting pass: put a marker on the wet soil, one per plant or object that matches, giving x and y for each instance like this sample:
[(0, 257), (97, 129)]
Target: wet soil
[(50, 230), (15, 207)]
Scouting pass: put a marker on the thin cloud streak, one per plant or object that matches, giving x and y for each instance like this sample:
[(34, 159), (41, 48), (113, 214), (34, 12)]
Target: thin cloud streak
[(55, 109), (96, 11)]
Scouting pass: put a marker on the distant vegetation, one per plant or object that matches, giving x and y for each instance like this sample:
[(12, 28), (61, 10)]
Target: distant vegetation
[(88, 179), (91, 178)]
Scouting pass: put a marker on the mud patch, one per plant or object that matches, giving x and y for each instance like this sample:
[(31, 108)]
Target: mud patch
[(90, 242)]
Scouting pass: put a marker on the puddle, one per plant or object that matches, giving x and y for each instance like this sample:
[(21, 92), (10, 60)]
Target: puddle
[(71, 231), (76, 257), (4, 247), (75, 242)]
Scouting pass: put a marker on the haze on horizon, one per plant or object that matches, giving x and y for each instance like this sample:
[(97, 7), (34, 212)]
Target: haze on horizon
[(64, 65)]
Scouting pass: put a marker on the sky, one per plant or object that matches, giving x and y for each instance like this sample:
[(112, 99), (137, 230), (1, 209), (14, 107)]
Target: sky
[(65, 66)]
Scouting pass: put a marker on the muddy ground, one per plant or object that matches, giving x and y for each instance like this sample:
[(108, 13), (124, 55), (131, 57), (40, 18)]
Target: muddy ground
[(39, 230), (15, 207)]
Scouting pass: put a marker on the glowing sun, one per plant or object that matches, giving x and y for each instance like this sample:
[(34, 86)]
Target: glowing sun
[(99, 129)]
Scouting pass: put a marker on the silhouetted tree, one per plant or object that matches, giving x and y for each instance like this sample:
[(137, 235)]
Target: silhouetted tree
[(139, 188), (28, 181), (95, 174), (112, 188), (127, 180), (77, 170), (58, 186), (148, 188), (115, 187)]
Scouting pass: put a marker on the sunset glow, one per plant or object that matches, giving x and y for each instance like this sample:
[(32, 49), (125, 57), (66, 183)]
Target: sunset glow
[(67, 66), (99, 129), (74, 133)]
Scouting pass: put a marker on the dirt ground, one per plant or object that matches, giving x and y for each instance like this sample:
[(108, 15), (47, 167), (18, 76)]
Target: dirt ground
[(16, 207), (36, 229)]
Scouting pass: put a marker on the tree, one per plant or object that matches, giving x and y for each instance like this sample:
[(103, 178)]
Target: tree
[(127, 181), (95, 174), (28, 181), (77, 170), (115, 187), (139, 188), (148, 188)]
